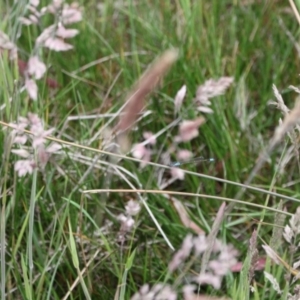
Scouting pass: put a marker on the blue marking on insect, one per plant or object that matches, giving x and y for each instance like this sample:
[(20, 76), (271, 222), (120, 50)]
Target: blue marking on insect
[(193, 160)]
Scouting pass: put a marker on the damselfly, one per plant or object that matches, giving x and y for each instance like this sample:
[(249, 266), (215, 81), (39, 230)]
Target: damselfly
[(193, 160)]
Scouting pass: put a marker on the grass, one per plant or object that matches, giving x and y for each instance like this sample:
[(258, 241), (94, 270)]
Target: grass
[(64, 242)]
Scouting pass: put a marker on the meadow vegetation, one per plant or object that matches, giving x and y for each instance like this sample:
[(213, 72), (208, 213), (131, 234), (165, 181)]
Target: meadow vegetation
[(101, 105)]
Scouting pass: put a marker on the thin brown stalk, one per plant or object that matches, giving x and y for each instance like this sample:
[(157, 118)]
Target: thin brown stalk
[(167, 192)]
